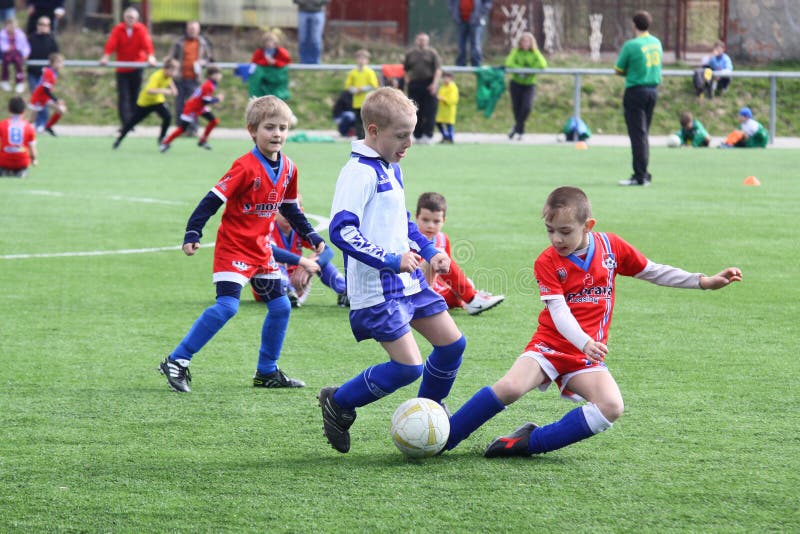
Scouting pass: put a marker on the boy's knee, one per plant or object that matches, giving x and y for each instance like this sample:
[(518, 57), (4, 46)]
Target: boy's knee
[(280, 307), (509, 390), (226, 307), (405, 374), (611, 409)]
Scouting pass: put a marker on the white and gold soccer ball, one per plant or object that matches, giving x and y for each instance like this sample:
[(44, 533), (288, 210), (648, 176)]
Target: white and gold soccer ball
[(673, 141), (420, 428)]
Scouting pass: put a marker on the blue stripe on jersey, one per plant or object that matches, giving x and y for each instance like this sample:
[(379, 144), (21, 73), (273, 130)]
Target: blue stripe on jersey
[(583, 264), (609, 302), (272, 174), (384, 181), (398, 174)]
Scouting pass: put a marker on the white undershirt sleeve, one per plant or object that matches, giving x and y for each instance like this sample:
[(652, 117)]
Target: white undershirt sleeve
[(666, 275), (565, 322)]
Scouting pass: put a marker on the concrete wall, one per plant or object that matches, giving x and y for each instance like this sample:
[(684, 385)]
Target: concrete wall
[(764, 30)]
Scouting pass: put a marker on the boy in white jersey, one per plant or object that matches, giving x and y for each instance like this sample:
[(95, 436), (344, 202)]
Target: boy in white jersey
[(576, 282), (388, 293)]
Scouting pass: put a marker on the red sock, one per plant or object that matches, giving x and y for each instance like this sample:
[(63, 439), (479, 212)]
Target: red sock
[(53, 119), (210, 126), (177, 133)]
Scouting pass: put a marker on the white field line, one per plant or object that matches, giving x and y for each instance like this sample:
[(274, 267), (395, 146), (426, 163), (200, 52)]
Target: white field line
[(322, 222), (142, 200)]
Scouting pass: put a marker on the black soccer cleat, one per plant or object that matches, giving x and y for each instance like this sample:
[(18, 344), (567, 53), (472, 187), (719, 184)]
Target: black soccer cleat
[(50, 130), (116, 144), (336, 421), (204, 144), (178, 376), (515, 444), (277, 379)]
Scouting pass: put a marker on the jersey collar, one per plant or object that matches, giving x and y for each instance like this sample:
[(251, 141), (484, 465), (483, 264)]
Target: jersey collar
[(273, 176), (584, 263)]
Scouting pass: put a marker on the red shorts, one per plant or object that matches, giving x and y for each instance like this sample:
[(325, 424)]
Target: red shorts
[(229, 269), (560, 367)]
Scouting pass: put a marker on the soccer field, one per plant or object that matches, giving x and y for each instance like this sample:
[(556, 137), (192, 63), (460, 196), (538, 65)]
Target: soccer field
[(95, 292)]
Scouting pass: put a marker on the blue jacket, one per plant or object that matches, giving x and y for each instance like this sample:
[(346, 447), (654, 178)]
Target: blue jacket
[(480, 11)]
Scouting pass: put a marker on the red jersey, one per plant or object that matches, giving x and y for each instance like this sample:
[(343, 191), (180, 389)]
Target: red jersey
[(16, 137), (280, 57), (291, 242), (441, 242), (201, 98), (586, 284), (39, 97), (252, 193), (135, 45)]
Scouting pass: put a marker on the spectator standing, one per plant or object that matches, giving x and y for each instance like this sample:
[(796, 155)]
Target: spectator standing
[(470, 16), (15, 49), (709, 79), (52, 9), (193, 52), (43, 43), (7, 10), (130, 41), (522, 88), (640, 62), (310, 25), (448, 108), (423, 69), (360, 81)]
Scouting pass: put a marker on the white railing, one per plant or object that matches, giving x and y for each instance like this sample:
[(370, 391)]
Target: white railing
[(577, 73)]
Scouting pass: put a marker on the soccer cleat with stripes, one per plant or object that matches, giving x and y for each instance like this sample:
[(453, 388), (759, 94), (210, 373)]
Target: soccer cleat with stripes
[(277, 379), (178, 376), (336, 421), (482, 301), (515, 444)]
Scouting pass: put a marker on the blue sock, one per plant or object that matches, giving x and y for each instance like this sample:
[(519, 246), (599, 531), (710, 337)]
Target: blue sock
[(480, 408), (205, 327), (332, 278), (374, 383), (272, 333), (441, 368), (570, 429)]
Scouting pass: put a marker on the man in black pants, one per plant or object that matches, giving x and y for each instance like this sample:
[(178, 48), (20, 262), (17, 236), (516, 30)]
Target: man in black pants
[(640, 62), (423, 72)]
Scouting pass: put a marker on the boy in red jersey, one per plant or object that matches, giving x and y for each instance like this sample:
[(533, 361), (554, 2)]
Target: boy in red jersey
[(576, 282), (454, 286), (43, 95), (257, 186), (199, 105), (17, 141)]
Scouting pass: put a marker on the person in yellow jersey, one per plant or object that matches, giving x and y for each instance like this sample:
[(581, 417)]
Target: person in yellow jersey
[(640, 62), (360, 82), (153, 98), (448, 106)]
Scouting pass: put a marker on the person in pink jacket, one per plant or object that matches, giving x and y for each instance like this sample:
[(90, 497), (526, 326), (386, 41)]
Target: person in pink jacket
[(15, 49)]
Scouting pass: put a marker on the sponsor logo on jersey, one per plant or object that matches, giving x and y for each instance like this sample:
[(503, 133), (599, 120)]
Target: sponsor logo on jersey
[(257, 183), (561, 273), (242, 266), (609, 261), (588, 280), (593, 294)]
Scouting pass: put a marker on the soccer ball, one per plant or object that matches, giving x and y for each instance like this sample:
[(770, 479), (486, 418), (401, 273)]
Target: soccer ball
[(673, 141), (561, 138), (420, 428)]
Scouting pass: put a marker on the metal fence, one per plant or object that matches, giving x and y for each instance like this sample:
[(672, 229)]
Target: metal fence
[(576, 73)]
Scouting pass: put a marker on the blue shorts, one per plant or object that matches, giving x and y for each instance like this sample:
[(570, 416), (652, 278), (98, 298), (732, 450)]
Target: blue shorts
[(390, 320)]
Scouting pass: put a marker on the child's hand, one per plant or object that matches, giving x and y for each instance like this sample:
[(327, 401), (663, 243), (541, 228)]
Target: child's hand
[(221, 97), (309, 265), (440, 263), (190, 248), (721, 279), (409, 261), (595, 351)]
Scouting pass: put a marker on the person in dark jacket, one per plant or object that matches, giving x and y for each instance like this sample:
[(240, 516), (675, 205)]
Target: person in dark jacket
[(43, 43)]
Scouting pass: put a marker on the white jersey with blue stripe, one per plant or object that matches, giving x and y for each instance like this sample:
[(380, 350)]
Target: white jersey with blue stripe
[(370, 224)]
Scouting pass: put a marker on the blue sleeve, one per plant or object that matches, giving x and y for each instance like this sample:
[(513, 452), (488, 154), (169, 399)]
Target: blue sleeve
[(200, 216), (298, 220), (426, 247), (282, 255), (344, 234)]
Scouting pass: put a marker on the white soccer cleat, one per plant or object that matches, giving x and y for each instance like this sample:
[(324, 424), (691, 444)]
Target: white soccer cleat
[(482, 302)]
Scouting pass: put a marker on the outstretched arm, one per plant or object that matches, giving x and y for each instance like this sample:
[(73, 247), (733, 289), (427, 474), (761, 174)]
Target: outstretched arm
[(721, 279)]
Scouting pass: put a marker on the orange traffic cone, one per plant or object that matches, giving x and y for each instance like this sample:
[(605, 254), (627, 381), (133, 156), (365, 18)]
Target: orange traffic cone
[(751, 180), (581, 145)]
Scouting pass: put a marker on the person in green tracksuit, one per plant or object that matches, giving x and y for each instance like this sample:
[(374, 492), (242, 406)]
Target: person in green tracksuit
[(692, 132), (522, 87), (640, 62)]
